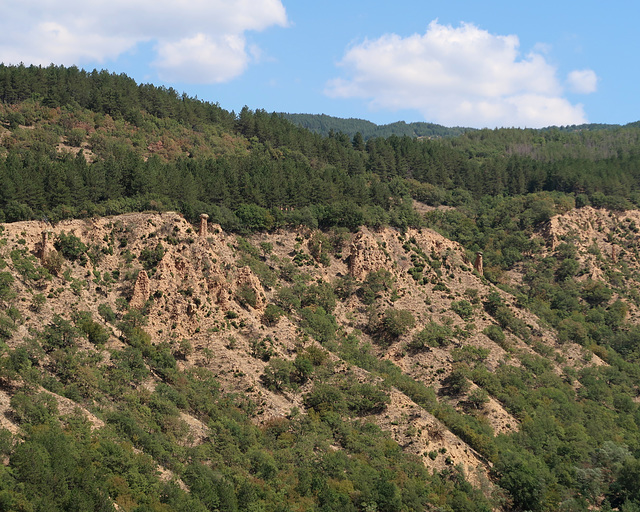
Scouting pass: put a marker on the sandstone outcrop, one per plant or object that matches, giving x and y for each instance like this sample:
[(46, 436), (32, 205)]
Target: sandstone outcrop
[(366, 255), (478, 264), (218, 289), (203, 225), (141, 291), (247, 280), (201, 294)]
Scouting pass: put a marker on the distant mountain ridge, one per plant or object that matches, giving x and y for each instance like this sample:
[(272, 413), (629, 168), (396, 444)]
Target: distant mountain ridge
[(324, 124)]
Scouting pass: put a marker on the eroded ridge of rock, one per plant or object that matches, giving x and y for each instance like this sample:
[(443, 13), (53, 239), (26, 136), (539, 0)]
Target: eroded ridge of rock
[(246, 281), (44, 247), (141, 291), (204, 293), (366, 255), (549, 233), (218, 289)]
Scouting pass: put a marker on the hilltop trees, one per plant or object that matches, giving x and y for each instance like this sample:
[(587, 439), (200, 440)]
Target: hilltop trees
[(214, 161)]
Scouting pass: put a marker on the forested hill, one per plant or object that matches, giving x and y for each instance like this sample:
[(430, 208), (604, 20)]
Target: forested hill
[(79, 144), (151, 147), (324, 125)]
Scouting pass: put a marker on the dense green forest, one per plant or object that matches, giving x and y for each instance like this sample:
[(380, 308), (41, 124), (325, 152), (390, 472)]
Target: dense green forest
[(81, 144), (256, 170), (223, 163)]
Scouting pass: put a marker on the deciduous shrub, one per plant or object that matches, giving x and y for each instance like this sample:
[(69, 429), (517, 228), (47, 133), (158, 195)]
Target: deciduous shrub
[(394, 323), (463, 308), (71, 247), (433, 335)]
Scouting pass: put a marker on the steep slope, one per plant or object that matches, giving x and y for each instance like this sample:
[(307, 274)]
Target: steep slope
[(606, 244), (394, 329), (208, 292)]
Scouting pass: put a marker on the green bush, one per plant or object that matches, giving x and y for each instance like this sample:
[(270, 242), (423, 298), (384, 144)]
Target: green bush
[(95, 332), (6, 327), (262, 349), (478, 398), (71, 247), (320, 294), (106, 312), (325, 398), (463, 308), (494, 333), (58, 334), (375, 282), (246, 296), (395, 323), (34, 409), (272, 314), (130, 366), (365, 398), (26, 265), (288, 299), (151, 257), (278, 374), (596, 293), (37, 301), (319, 324), (456, 382), (6, 282), (432, 335), (469, 354)]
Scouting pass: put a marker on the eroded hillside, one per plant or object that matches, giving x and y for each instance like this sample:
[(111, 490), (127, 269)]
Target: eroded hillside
[(395, 329)]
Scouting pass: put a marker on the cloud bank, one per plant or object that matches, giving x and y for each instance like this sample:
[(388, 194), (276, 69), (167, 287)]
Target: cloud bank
[(461, 76), (200, 41)]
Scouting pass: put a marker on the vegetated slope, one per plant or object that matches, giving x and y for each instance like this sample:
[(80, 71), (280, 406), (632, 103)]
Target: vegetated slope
[(239, 367)]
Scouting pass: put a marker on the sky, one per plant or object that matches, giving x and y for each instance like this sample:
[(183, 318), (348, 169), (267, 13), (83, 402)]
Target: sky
[(471, 63)]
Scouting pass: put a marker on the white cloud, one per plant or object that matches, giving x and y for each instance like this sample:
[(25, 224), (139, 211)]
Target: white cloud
[(202, 59), (456, 76), (199, 40), (583, 81)]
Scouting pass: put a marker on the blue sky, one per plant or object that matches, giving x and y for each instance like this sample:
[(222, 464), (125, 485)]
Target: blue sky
[(457, 63)]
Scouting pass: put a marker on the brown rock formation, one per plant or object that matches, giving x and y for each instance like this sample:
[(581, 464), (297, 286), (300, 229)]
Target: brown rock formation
[(174, 268), (141, 291), (247, 279), (477, 265), (366, 256), (42, 250), (44, 247), (549, 233), (203, 225), (218, 289)]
